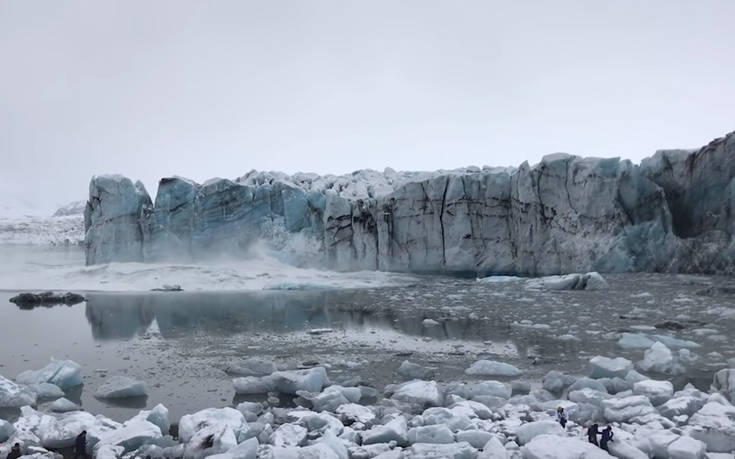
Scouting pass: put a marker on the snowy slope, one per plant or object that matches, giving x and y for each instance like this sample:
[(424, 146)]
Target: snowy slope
[(21, 224)]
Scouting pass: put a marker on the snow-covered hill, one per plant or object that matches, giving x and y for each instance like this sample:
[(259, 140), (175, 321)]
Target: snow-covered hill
[(23, 225)]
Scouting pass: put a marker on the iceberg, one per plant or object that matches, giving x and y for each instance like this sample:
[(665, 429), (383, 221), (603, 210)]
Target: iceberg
[(492, 368), (13, 395), (63, 405), (62, 373), (121, 387), (604, 367)]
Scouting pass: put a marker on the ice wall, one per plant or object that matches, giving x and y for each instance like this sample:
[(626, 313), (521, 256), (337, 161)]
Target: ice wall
[(674, 212)]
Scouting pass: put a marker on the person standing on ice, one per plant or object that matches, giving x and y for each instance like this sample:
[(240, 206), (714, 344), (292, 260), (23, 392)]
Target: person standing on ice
[(561, 417), (592, 433), (14, 452), (607, 436), (80, 445)]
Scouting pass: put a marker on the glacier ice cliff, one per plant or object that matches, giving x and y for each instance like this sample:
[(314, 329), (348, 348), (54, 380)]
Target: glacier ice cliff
[(674, 212)]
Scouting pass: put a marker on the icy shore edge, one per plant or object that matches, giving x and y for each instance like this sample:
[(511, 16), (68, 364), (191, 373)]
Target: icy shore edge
[(416, 419)]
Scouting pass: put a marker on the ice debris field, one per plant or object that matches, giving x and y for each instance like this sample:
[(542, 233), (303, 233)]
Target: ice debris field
[(419, 418)]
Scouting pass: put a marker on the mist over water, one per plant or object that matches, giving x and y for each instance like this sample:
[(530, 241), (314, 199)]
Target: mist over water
[(62, 268)]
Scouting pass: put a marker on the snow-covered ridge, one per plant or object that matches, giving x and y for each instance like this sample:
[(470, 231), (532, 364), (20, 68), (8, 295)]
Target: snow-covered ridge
[(361, 184), (21, 226), (671, 213), (67, 230)]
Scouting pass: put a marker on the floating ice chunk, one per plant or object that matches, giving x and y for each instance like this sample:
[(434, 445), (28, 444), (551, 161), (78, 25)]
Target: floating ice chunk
[(317, 450), (63, 405), (587, 395), (685, 404), (395, 430), (63, 373), (158, 416), (555, 381), (209, 441), (476, 438), (14, 395), (472, 409), (46, 390), (605, 367), (449, 451), (443, 416), (6, 430), (131, 436), (61, 430), (414, 371), (686, 448), (531, 430), (121, 387), (490, 388), (714, 424), (245, 450), (660, 359), (289, 435), (499, 279), (253, 367), (428, 323), (254, 385), (332, 397), (635, 341), (557, 447), (252, 408), (658, 392), (322, 423), (587, 383), (624, 450), (353, 412), (419, 392), (109, 452), (724, 383), (615, 385), (430, 434), (190, 424), (626, 408), (311, 380), (589, 281), (675, 343), (336, 444), (493, 449), (492, 368)]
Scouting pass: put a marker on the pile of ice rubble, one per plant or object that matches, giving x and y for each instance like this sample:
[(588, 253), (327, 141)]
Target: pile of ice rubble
[(415, 419)]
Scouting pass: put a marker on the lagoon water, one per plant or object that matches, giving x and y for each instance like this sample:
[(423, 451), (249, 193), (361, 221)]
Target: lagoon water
[(183, 343)]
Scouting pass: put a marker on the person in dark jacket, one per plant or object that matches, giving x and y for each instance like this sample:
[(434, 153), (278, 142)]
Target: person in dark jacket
[(14, 452), (561, 417), (80, 445), (592, 432), (607, 436)]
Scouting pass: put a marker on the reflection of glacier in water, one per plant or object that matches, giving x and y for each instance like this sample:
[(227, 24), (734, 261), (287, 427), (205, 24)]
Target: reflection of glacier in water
[(122, 315)]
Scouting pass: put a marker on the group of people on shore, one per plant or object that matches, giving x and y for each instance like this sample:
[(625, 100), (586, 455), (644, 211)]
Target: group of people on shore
[(592, 431)]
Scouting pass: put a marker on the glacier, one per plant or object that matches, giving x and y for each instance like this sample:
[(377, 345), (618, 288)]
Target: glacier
[(673, 212)]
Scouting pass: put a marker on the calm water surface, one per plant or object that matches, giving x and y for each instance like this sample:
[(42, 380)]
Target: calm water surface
[(182, 343)]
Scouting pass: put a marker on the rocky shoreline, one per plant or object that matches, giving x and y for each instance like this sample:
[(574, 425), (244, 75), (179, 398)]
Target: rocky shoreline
[(302, 414)]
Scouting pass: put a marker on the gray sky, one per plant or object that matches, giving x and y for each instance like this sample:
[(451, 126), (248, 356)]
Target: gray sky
[(216, 88)]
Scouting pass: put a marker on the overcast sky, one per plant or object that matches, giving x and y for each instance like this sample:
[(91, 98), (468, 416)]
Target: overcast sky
[(216, 88)]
